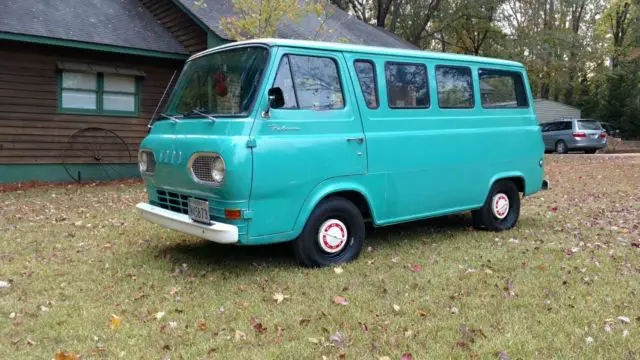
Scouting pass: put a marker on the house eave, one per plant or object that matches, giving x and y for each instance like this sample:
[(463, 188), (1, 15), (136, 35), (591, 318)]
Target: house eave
[(90, 46)]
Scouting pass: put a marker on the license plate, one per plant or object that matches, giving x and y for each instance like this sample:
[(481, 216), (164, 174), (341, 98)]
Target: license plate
[(199, 211), (594, 136)]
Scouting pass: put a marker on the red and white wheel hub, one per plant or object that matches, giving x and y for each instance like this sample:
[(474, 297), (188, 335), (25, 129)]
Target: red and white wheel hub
[(332, 236), (500, 205)]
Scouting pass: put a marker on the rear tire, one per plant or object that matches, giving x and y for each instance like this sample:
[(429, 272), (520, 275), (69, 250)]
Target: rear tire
[(561, 147), (333, 234), (501, 209)]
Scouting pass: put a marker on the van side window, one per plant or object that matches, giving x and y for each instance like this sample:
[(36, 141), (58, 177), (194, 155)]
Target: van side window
[(366, 72), (455, 87), (502, 89), (406, 85), (285, 82)]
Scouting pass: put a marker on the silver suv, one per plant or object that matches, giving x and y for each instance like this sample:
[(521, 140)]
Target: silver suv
[(563, 136)]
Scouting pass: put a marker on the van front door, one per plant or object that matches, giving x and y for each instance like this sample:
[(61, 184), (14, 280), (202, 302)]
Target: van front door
[(317, 135)]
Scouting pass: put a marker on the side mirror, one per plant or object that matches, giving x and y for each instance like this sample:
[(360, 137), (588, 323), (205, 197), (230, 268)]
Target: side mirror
[(276, 98), (276, 101)]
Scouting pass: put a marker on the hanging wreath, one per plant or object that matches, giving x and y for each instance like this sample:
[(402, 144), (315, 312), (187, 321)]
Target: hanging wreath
[(219, 80)]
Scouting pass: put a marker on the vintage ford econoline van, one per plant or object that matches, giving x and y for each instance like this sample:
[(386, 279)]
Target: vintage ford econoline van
[(268, 141)]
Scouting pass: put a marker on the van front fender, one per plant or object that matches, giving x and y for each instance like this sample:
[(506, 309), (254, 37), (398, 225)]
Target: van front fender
[(333, 186)]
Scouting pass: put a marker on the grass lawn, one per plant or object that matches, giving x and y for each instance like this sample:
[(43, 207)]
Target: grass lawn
[(87, 276)]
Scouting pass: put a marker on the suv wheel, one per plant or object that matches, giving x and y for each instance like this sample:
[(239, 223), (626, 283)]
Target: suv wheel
[(333, 234), (561, 147), (501, 209)]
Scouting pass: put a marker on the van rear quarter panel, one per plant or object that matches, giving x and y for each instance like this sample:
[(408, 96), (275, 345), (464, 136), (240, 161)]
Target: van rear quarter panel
[(437, 161)]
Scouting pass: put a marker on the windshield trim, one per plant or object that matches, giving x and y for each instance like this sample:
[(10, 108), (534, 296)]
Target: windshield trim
[(259, 86)]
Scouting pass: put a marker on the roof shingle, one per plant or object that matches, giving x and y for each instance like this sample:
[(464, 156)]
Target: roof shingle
[(110, 22)]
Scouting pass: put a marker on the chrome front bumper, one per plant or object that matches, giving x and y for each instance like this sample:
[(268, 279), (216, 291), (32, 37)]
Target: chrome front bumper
[(216, 232)]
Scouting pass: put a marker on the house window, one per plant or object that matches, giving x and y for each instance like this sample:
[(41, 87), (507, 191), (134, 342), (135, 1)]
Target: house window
[(98, 93)]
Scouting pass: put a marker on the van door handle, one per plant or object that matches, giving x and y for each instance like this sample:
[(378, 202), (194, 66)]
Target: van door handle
[(359, 140)]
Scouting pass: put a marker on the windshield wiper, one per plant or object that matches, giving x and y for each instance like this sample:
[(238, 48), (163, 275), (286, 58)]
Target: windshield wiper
[(198, 112), (169, 117)]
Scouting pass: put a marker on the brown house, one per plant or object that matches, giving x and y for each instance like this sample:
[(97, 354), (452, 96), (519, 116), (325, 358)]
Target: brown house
[(80, 80)]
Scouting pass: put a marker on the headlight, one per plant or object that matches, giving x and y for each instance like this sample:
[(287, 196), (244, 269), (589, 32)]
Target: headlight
[(207, 168), (217, 169), (143, 161), (146, 162)]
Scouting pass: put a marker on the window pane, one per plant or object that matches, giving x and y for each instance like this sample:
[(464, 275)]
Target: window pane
[(406, 85), (119, 102), (502, 89), (589, 125), (367, 79), (79, 80), (284, 82), (317, 83), (73, 99), (119, 83), (455, 87)]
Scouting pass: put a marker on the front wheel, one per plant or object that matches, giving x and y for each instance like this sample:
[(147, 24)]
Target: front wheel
[(333, 234), (501, 209)]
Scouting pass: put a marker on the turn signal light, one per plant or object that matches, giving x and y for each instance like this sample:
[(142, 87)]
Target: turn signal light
[(232, 214)]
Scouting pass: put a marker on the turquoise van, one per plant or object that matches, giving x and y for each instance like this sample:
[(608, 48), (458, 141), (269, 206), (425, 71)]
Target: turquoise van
[(268, 141)]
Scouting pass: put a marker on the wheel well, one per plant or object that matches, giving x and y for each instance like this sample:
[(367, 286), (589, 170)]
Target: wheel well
[(356, 198), (516, 180)]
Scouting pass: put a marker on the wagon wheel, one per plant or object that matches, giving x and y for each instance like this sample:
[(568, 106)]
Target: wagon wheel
[(99, 146)]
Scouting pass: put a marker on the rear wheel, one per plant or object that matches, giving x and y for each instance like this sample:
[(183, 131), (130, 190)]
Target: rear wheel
[(561, 147), (333, 234), (501, 209)]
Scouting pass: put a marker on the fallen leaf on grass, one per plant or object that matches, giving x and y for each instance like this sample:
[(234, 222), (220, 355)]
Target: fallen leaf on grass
[(159, 315), (454, 310), (415, 267), (66, 356), (396, 308), (422, 313), (589, 340), (338, 270), (406, 356), (340, 300), (364, 327), (314, 340), (279, 297), (279, 331), (202, 325), (303, 322), (624, 319), (239, 335), (115, 322), (337, 339), (257, 325)]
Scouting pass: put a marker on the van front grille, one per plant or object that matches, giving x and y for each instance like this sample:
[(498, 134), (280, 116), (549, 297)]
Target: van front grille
[(172, 201)]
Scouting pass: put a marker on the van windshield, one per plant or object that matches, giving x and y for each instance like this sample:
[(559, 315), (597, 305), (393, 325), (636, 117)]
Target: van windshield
[(223, 83), (589, 125)]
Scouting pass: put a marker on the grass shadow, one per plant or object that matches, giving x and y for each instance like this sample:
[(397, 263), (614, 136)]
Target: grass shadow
[(204, 253)]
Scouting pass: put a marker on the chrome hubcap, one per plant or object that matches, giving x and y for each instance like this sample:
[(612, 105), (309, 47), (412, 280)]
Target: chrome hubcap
[(332, 236), (500, 205)]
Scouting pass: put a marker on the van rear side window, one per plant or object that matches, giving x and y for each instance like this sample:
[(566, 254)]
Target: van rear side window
[(502, 89), (406, 85), (455, 87), (366, 72)]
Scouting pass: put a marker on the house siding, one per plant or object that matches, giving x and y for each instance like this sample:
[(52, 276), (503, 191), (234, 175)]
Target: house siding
[(547, 110), (33, 131), (182, 27)]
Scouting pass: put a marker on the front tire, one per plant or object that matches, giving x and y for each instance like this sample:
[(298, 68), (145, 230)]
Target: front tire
[(501, 209), (333, 234)]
